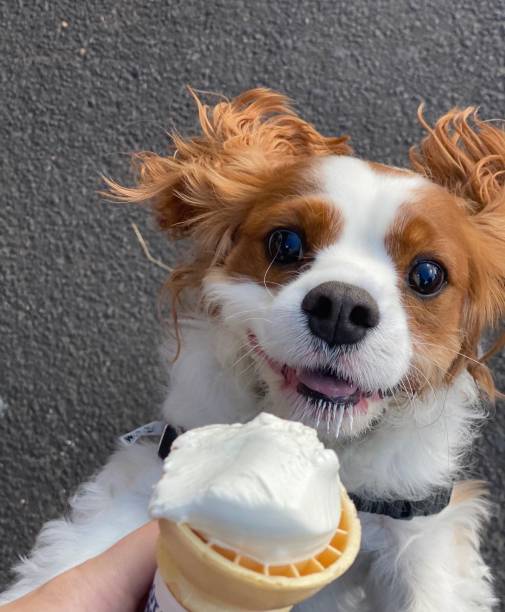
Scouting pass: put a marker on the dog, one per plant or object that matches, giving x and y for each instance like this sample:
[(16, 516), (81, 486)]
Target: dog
[(347, 294)]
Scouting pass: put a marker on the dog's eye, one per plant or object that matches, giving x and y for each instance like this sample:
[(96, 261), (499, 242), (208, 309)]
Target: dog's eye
[(427, 277), (284, 246)]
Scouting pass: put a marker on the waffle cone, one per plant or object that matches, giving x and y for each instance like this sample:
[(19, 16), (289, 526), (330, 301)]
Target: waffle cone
[(208, 578)]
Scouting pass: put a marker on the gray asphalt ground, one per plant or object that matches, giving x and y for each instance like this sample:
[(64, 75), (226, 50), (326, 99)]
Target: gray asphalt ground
[(84, 83)]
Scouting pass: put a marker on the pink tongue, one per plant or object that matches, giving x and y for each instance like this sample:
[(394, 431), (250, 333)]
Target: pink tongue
[(326, 385)]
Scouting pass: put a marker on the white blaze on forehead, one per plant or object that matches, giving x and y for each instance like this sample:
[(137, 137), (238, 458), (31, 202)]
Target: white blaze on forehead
[(367, 199), (368, 202), (267, 489)]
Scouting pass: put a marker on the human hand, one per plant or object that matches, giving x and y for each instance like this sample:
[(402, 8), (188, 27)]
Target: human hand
[(115, 581)]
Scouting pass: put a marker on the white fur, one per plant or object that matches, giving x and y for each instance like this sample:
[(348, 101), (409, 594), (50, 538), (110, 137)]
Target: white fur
[(414, 566), (102, 512), (368, 202), (402, 448)]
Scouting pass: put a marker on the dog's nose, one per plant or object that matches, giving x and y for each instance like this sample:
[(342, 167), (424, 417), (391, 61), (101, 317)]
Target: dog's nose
[(340, 313)]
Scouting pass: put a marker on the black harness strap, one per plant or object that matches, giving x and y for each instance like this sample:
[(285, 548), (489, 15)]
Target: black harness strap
[(404, 509)]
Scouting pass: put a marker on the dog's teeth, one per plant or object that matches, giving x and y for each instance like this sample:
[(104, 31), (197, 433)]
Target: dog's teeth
[(350, 412)]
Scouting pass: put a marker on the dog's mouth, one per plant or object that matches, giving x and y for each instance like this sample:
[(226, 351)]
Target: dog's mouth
[(322, 388), (325, 388)]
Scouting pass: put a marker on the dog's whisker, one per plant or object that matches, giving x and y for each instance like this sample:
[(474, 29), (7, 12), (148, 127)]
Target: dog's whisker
[(339, 417), (238, 314), (447, 348), (266, 273)]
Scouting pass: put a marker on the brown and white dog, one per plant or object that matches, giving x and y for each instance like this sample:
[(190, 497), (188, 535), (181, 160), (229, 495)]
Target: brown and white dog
[(347, 294)]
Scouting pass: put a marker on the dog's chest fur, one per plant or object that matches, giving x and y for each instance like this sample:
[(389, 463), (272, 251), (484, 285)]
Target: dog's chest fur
[(401, 457)]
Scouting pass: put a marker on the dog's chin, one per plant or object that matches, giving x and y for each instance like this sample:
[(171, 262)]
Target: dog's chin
[(320, 398)]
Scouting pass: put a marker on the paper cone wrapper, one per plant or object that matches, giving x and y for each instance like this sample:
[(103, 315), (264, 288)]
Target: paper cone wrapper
[(204, 577)]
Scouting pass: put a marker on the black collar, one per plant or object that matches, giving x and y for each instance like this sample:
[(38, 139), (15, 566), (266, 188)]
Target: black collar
[(399, 509), (404, 509)]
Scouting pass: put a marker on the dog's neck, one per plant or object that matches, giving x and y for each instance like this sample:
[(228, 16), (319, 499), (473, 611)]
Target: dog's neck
[(417, 445)]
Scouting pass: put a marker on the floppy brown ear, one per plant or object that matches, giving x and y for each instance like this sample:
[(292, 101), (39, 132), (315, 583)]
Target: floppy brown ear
[(204, 188), (467, 156), (464, 154)]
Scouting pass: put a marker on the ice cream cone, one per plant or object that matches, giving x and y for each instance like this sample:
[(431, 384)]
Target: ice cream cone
[(204, 577)]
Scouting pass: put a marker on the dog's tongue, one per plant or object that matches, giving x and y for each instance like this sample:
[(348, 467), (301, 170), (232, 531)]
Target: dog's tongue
[(326, 385)]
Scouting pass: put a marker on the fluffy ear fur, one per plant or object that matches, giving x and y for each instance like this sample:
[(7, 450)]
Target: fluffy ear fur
[(464, 154), (467, 156), (204, 189)]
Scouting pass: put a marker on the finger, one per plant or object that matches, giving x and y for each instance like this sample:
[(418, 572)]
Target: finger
[(114, 581), (123, 574)]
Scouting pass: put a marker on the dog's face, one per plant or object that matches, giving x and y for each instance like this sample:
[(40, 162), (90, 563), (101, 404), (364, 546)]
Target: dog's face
[(352, 285), (349, 291)]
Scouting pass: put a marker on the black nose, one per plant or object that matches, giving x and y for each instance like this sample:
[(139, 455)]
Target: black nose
[(340, 313)]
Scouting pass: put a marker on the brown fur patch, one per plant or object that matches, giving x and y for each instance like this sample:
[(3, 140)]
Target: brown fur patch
[(446, 328), (468, 490), (466, 156), (436, 323), (248, 147), (318, 222), (463, 154), (390, 170)]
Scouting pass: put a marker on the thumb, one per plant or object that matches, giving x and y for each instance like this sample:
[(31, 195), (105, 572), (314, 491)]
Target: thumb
[(122, 575), (115, 581)]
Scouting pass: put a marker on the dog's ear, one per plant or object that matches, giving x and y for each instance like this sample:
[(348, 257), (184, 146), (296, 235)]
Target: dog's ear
[(464, 154), (204, 189), (467, 156)]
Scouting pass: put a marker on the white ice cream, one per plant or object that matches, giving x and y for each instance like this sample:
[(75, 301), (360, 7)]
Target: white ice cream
[(267, 489)]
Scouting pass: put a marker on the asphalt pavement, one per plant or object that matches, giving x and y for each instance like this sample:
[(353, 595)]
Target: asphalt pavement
[(84, 83)]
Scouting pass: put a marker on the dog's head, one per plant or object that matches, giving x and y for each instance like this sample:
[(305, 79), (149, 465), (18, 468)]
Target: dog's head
[(353, 285)]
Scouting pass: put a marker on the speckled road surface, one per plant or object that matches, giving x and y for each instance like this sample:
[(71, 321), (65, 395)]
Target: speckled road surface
[(84, 83)]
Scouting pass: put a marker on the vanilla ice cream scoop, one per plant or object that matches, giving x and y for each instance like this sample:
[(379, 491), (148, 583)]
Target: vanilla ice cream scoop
[(267, 489)]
